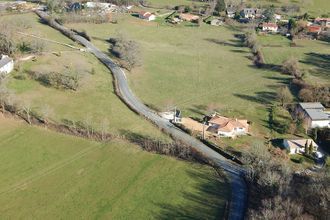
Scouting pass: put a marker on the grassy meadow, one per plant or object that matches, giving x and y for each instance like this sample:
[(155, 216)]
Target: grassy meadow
[(46, 175), (93, 102), (195, 69), (313, 55)]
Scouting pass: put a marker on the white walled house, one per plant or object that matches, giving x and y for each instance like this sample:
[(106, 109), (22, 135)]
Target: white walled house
[(298, 146), (269, 27), (147, 16), (6, 64), (228, 127)]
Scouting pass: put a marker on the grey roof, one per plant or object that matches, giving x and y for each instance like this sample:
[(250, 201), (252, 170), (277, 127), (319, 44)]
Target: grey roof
[(5, 61), (317, 114), (311, 105)]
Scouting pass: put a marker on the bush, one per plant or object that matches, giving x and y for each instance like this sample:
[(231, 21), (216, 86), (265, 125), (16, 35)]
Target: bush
[(67, 80), (126, 50)]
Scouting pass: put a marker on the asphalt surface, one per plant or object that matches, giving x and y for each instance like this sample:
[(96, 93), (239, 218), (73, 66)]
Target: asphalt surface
[(235, 173)]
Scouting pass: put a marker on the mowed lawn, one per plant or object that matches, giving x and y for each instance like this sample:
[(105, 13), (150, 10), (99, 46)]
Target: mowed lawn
[(313, 55), (46, 175), (94, 101), (194, 68)]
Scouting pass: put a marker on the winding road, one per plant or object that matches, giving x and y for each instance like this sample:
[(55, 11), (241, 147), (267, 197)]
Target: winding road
[(235, 173)]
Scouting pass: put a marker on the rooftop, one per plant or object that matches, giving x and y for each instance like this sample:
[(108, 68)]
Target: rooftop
[(317, 114), (4, 61), (311, 105)]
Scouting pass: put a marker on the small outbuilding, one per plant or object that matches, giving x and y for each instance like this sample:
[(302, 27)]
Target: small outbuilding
[(188, 17), (6, 64), (147, 16)]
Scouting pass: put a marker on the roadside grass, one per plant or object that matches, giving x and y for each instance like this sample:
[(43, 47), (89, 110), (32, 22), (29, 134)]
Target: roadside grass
[(55, 176), (193, 68), (95, 100), (313, 55)]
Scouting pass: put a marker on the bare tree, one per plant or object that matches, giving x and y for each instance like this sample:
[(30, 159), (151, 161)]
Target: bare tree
[(104, 128), (291, 66), (284, 95)]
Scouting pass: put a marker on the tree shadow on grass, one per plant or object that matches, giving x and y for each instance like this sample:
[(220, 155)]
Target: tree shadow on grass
[(321, 62), (230, 43), (198, 109), (206, 202), (260, 97)]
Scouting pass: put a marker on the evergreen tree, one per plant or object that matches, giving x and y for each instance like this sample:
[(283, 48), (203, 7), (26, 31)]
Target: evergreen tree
[(220, 6), (311, 148), (306, 148)]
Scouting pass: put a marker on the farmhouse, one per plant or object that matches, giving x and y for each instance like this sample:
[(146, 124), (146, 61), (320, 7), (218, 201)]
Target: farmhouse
[(188, 17), (298, 146), (314, 114), (227, 127), (269, 27), (147, 16), (6, 64)]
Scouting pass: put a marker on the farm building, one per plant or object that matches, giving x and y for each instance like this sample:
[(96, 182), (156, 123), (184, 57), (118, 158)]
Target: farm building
[(314, 114), (6, 64), (147, 16)]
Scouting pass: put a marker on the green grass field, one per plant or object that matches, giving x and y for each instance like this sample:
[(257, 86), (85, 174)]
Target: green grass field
[(46, 175), (313, 55), (193, 68), (94, 101)]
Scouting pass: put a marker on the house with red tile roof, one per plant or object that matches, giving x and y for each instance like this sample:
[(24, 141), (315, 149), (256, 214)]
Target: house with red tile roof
[(314, 29), (269, 27), (147, 16), (228, 127), (323, 22)]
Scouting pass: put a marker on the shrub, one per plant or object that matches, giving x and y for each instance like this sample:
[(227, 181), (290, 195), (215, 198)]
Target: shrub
[(126, 50)]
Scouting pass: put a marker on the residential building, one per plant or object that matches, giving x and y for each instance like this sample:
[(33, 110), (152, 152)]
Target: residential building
[(325, 22), (298, 146), (147, 16), (277, 17), (188, 17), (249, 13), (6, 64), (231, 11), (269, 27), (314, 114), (227, 127), (314, 29)]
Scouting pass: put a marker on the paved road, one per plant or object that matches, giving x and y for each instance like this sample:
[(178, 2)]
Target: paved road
[(235, 173)]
